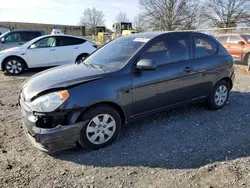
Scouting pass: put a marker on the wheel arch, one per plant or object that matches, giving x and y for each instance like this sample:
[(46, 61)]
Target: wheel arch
[(106, 103), (228, 80), (82, 54), (13, 56)]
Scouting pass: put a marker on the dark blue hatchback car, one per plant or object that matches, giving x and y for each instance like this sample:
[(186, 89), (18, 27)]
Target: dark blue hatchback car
[(130, 77)]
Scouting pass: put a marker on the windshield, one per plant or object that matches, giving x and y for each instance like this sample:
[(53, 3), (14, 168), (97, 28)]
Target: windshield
[(247, 37), (116, 53), (126, 26), (5, 33)]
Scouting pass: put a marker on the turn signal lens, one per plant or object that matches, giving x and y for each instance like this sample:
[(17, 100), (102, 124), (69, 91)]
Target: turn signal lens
[(64, 94)]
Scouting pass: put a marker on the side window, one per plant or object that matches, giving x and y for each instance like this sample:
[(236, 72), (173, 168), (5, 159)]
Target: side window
[(157, 47), (27, 36), (13, 37), (168, 50), (204, 47), (222, 39), (46, 42), (234, 39), (68, 41)]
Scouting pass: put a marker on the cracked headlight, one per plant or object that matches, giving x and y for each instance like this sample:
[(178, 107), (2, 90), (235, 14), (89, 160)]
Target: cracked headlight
[(49, 102)]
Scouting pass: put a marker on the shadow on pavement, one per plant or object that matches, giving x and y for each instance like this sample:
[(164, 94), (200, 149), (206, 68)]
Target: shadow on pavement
[(186, 137), (27, 73)]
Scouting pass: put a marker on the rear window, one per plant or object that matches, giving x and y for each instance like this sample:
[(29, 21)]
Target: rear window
[(204, 47)]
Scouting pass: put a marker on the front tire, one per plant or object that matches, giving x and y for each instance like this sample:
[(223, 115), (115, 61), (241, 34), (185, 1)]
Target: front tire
[(14, 66), (81, 57), (101, 129), (219, 95)]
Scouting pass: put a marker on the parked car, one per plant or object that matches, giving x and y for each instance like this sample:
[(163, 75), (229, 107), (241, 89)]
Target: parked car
[(130, 77), (238, 45), (45, 51), (16, 38)]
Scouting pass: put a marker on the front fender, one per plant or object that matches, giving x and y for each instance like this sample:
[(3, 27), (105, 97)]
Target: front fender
[(107, 90)]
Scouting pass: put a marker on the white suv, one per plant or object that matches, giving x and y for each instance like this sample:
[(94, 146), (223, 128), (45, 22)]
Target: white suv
[(46, 51)]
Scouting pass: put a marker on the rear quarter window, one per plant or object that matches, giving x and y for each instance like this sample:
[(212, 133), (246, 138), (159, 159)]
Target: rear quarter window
[(68, 41), (234, 39), (204, 47)]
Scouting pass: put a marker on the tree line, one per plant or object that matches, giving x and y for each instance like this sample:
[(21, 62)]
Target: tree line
[(172, 15)]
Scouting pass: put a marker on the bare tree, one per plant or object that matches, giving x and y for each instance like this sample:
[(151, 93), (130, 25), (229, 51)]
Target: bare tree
[(170, 14), (121, 17), (227, 13), (92, 17), (139, 23)]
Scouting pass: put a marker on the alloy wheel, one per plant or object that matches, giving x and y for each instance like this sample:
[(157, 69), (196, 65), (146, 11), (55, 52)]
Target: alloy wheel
[(14, 67)]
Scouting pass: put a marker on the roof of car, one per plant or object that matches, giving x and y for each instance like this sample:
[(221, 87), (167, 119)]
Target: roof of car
[(26, 30), (61, 35), (157, 33), (229, 34), (64, 35)]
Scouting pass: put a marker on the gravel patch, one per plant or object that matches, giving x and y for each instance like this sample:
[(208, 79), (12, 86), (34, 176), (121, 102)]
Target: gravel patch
[(189, 146)]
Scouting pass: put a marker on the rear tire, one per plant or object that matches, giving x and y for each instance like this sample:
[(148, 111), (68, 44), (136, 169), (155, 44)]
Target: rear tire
[(219, 96), (14, 66), (102, 127), (246, 60)]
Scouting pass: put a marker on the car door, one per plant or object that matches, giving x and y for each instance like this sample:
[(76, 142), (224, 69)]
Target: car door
[(234, 47), (205, 64), (43, 53), (174, 80), (68, 49)]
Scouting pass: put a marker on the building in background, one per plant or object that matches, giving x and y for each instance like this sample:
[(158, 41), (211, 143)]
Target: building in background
[(47, 28), (3, 30)]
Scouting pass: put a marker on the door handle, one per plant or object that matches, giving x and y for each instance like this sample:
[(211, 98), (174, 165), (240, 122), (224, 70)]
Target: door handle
[(52, 49), (188, 69), (76, 47)]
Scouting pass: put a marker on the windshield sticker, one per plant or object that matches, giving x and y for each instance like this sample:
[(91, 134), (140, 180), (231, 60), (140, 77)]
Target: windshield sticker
[(141, 39)]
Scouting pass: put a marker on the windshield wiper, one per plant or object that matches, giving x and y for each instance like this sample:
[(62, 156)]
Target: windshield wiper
[(95, 66), (100, 67)]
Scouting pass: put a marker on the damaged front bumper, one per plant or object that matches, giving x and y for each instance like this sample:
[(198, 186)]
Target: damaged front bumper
[(50, 132), (54, 139)]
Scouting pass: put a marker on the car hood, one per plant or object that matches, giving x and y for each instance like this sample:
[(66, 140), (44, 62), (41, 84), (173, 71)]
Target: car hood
[(16, 49), (60, 77)]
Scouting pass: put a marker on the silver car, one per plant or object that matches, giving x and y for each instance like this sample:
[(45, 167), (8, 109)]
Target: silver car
[(16, 38)]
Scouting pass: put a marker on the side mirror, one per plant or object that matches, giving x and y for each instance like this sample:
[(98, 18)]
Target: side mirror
[(3, 40), (145, 64), (242, 43), (32, 46)]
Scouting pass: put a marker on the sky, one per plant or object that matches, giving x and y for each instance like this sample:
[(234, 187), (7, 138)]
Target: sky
[(63, 11)]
